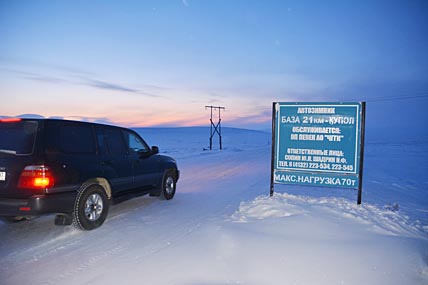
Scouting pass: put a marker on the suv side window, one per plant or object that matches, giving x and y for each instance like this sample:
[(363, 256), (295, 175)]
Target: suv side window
[(18, 137), (110, 141), (135, 144), (76, 139)]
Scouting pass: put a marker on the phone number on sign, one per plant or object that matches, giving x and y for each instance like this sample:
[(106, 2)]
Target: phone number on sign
[(315, 165)]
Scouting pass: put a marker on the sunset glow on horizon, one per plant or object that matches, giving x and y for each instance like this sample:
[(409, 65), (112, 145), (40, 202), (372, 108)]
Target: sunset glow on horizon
[(159, 63)]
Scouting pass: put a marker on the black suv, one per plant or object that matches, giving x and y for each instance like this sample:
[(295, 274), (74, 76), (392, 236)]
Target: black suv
[(75, 169)]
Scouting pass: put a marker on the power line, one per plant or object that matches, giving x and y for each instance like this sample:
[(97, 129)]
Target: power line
[(396, 98), (393, 98)]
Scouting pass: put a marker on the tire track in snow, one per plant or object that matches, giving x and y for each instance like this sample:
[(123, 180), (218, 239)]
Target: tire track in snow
[(94, 260)]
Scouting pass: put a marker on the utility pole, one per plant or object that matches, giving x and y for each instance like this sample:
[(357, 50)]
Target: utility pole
[(215, 128)]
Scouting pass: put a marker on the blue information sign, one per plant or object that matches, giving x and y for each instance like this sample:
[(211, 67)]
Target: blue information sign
[(318, 144)]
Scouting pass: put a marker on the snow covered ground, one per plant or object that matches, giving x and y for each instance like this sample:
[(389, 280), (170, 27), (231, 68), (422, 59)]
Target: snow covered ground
[(223, 228)]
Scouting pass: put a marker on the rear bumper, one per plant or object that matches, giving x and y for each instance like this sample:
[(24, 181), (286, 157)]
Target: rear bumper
[(38, 205)]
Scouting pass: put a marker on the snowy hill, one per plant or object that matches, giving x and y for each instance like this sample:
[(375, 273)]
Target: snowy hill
[(222, 228)]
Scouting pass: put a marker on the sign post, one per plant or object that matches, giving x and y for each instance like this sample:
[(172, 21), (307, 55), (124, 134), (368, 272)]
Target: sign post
[(318, 144)]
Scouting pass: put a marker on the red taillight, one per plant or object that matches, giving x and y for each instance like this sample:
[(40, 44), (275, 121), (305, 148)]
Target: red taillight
[(25, 209), (36, 177), (10, 120)]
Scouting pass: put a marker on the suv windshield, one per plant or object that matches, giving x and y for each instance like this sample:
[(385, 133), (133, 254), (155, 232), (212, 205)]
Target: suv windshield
[(17, 137)]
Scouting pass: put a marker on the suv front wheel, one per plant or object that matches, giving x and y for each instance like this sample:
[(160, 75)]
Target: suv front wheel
[(168, 184), (91, 207)]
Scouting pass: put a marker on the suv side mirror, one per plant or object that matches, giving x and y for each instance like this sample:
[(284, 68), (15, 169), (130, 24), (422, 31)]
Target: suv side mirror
[(155, 149)]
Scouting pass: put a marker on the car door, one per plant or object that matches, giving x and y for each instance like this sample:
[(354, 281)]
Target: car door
[(114, 158), (144, 161)]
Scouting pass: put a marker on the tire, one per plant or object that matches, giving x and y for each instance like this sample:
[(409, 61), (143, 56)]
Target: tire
[(169, 183), (91, 207)]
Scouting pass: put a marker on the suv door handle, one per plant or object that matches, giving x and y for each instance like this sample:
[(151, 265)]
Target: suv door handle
[(106, 162)]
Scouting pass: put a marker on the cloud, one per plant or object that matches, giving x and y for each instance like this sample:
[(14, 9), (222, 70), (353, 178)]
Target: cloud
[(109, 86), (121, 88), (47, 79), (34, 76), (100, 120), (28, 63), (75, 77), (113, 86), (31, 116), (260, 120)]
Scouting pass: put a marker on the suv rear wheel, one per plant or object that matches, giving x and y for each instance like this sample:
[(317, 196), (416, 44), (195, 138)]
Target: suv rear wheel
[(91, 207)]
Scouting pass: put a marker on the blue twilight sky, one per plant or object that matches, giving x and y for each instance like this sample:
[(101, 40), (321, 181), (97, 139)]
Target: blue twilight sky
[(158, 63)]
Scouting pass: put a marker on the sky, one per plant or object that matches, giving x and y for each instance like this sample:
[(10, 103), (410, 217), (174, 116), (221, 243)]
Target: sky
[(159, 63)]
